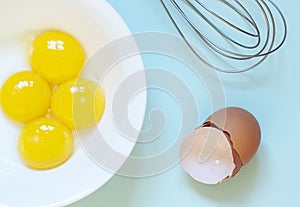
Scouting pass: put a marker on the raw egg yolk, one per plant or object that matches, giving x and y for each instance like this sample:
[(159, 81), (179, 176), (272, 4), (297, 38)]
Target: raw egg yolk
[(78, 103), (25, 96), (57, 56), (45, 143)]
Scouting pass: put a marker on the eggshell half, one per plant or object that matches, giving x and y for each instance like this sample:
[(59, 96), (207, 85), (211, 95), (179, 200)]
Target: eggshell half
[(243, 129), (206, 155), (218, 149)]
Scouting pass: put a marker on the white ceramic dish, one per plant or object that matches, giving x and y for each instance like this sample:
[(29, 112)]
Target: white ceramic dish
[(95, 23)]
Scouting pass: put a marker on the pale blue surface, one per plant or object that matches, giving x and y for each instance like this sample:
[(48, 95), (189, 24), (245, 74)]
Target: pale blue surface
[(271, 92)]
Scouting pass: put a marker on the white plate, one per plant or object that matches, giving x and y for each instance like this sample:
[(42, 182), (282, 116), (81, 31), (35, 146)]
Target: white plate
[(95, 23)]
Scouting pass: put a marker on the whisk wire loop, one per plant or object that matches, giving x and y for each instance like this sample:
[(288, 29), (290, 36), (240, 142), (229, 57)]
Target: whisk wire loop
[(264, 33)]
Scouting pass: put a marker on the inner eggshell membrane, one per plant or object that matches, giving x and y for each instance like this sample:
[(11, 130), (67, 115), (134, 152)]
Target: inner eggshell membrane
[(206, 155)]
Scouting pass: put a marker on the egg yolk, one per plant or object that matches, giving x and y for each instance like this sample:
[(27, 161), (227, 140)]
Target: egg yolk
[(57, 56), (78, 103), (25, 96), (45, 143)]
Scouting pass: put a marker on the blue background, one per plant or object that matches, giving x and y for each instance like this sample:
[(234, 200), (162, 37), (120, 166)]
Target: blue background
[(270, 92)]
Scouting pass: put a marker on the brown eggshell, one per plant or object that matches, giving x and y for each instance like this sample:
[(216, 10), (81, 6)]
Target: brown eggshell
[(242, 127)]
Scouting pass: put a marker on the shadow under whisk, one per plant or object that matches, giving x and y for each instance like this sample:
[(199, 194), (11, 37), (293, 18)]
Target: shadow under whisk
[(230, 36)]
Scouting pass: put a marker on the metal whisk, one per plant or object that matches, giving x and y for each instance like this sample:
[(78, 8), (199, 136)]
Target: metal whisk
[(230, 36)]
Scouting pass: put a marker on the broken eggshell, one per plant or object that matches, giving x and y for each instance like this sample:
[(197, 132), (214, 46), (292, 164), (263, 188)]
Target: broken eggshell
[(218, 149)]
